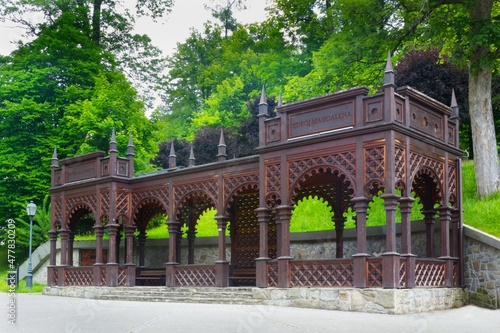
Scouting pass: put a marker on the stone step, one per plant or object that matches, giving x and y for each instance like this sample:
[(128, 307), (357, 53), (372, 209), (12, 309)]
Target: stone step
[(180, 299), (179, 294)]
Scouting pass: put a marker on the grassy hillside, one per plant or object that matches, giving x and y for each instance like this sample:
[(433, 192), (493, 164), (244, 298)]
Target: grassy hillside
[(481, 214)]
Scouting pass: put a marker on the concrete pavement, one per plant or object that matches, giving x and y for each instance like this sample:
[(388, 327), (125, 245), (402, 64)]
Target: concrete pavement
[(40, 313)]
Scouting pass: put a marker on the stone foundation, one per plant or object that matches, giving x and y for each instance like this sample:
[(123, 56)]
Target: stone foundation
[(388, 301)]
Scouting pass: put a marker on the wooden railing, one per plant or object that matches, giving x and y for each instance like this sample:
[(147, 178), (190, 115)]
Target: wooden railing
[(195, 275)]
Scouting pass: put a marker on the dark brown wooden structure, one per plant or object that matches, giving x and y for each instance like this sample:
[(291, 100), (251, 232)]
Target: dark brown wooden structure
[(345, 147)]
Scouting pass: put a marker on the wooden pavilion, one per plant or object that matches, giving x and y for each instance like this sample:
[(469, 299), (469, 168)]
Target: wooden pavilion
[(345, 147)]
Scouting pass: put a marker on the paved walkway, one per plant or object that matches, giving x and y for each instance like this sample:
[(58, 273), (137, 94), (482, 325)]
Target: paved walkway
[(39, 313)]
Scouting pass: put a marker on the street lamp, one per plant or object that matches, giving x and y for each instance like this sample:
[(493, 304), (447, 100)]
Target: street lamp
[(31, 210)]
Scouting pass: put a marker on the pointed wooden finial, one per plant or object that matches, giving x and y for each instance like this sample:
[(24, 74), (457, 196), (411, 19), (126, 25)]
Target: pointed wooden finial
[(192, 160), (55, 160), (263, 103), (172, 158), (221, 155), (130, 146), (389, 70), (454, 105), (112, 143)]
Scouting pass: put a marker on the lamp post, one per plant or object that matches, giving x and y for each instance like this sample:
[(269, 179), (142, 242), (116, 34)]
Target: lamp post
[(31, 210)]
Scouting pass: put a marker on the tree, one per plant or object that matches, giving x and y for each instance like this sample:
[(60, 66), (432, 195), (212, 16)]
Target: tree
[(435, 75), (107, 25)]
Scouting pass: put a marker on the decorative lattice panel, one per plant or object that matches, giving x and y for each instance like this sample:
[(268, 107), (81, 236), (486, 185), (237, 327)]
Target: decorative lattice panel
[(102, 276), (452, 183), (201, 276), (233, 183), (343, 161), (418, 161), (104, 203), (161, 194), (58, 206), (78, 276), (122, 276), (328, 273), (82, 201), (374, 273), (208, 186), (122, 203), (272, 274), (56, 276), (402, 274), (245, 231), (400, 163), (430, 273), (273, 180), (374, 163)]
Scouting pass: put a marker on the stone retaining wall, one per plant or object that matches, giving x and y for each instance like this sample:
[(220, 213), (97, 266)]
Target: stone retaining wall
[(482, 268)]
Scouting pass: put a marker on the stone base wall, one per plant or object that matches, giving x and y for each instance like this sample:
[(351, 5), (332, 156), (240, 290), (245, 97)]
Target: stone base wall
[(388, 301), (482, 268)]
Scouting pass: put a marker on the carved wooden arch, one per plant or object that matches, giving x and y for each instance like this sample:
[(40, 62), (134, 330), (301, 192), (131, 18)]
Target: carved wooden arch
[(347, 182), (185, 203), (427, 173), (148, 215), (244, 188), (76, 213)]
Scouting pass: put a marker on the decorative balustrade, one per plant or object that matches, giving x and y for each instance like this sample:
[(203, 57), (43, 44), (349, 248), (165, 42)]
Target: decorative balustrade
[(272, 273), (374, 272), (430, 273), (78, 276), (195, 275), (321, 273)]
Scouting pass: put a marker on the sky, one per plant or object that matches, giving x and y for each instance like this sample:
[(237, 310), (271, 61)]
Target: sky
[(186, 14)]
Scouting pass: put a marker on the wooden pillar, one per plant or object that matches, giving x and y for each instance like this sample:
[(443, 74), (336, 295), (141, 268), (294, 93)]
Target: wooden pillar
[(445, 218), (52, 261), (99, 232), (63, 234), (284, 214), (339, 222), (129, 255), (263, 217), (191, 236), (390, 258), (455, 232), (173, 232), (361, 208), (405, 206), (221, 265), (142, 247), (429, 232), (71, 239), (112, 265)]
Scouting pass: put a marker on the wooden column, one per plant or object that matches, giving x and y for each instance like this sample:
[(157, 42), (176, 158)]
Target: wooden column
[(191, 236), (142, 248), (129, 255), (405, 206), (51, 271), (390, 258), (112, 264), (429, 216), (63, 234), (221, 265), (445, 218), (361, 208), (263, 216), (284, 214), (339, 222), (173, 231)]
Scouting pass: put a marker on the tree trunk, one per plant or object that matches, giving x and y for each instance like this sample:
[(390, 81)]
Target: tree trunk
[(480, 109), (96, 22)]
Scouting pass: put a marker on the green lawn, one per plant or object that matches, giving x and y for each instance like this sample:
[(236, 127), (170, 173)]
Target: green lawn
[(483, 214)]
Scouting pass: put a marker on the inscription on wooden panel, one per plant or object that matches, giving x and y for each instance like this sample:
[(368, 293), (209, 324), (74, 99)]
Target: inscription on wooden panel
[(81, 172), (331, 118)]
